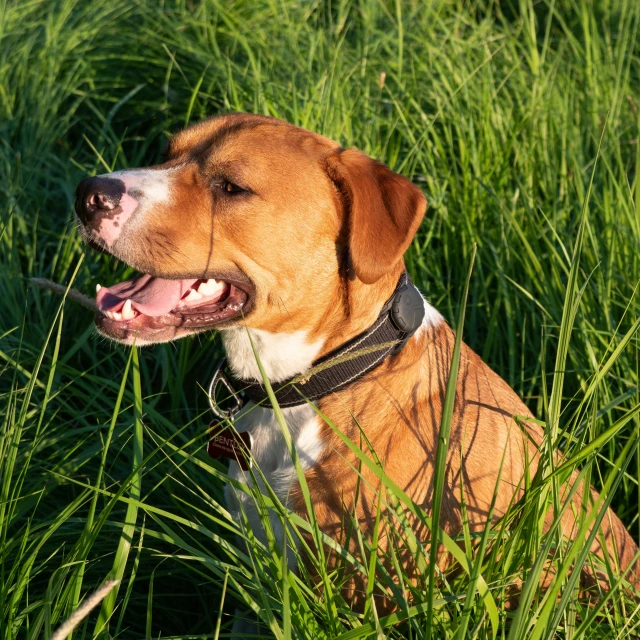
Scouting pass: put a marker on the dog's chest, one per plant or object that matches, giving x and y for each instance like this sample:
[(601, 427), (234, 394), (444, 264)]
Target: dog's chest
[(273, 458)]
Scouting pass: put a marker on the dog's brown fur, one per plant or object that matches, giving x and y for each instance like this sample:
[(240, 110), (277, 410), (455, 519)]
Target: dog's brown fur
[(322, 239)]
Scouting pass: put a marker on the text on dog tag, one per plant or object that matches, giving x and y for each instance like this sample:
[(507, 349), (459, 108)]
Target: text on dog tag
[(226, 443)]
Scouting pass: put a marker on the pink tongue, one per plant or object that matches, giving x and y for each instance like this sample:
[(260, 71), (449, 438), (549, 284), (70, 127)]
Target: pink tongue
[(150, 296)]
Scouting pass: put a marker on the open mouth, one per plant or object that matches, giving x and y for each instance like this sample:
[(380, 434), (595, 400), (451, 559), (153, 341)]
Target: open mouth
[(151, 309)]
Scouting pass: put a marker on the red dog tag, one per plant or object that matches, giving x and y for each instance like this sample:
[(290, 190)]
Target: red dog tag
[(224, 442)]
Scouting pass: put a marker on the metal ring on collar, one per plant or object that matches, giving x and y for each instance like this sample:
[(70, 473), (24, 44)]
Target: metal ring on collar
[(219, 377)]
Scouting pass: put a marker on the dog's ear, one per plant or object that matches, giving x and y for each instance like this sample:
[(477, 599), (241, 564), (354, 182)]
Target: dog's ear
[(384, 211)]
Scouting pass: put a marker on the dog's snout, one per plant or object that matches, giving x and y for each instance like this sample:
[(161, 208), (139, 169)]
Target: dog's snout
[(105, 204), (97, 197)]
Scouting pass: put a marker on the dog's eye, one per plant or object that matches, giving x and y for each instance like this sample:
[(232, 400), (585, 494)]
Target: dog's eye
[(229, 187)]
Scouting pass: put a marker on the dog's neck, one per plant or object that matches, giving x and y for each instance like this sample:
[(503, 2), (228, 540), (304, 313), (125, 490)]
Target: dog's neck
[(284, 355)]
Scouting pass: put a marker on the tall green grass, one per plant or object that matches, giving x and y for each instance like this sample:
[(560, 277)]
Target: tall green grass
[(520, 121)]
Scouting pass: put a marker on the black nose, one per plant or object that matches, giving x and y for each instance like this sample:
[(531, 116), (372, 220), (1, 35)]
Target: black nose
[(97, 197)]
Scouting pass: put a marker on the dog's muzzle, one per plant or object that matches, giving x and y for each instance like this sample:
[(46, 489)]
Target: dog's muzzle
[(97, 197)]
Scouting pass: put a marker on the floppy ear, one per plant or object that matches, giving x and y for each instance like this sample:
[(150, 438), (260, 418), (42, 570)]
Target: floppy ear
[(384, 211)]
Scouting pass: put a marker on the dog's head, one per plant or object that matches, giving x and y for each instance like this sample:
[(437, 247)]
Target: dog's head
[(249, 219)]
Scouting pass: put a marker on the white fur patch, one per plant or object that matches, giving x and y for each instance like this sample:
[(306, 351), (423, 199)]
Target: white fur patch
[(432, 318), (149, 186), (282, 355), (274, 460)]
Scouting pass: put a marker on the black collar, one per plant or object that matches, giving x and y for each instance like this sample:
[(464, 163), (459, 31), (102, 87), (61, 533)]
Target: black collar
[(399, 319)]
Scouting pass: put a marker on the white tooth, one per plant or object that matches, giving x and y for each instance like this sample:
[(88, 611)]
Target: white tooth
[(127, 310), (98, 287), (109, 314), (117, 315), (211, 286), (193, 295)]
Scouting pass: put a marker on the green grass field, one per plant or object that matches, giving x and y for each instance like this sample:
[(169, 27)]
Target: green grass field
[(520, 121)]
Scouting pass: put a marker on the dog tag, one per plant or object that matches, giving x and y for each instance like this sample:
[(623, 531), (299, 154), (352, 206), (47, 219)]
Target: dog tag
[(224, 442)]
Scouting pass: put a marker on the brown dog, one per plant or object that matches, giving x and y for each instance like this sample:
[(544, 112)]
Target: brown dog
[(255, 224)]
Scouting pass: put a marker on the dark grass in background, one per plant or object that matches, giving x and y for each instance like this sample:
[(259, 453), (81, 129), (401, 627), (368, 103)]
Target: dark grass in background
[(495, 109)]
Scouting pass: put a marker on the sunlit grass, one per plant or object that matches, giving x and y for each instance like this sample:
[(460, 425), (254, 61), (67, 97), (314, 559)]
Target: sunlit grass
[(520, 121)]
